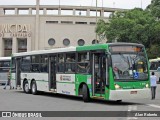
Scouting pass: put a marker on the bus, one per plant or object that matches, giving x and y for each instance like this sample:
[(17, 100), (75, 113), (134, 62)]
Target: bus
[(111, 71), (4, 68), (155, 67)]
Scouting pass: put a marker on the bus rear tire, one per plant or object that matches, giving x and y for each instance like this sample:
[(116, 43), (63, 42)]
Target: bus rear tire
[(34, 88), (85, 92), (26, 87)]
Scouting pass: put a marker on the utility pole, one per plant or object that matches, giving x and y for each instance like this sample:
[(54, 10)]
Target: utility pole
[(96, 21), (37, 25)]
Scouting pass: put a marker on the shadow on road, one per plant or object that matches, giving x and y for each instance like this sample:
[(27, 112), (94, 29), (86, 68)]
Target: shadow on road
[(78, 98)]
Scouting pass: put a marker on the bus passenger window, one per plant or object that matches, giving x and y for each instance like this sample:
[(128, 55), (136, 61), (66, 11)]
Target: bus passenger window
[(83, 65), (60, 64), (70, 62)]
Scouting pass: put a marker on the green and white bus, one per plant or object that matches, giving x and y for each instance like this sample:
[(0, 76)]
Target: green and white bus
[(155, 67), (112, 71), (4, 68)]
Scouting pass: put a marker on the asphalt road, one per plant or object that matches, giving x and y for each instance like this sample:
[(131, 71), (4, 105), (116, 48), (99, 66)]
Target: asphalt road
[(17, 100)]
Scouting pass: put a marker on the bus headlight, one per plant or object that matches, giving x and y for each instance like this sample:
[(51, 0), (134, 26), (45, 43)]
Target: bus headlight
[(147, 85), (117, 86)]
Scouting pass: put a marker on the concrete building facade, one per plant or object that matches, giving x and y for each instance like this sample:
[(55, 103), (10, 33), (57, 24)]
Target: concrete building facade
[(37, 27)]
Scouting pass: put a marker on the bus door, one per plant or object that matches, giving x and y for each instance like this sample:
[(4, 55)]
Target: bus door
[(52, 72), (98, 73), (18, 72)]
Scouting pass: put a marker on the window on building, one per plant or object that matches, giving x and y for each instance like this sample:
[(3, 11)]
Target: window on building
[(81, 42), (22, 45), (51, 41), (95, 41), (7, 47), (66, 42)]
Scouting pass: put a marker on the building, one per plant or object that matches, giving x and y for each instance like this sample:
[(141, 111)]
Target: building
[(37, 27)]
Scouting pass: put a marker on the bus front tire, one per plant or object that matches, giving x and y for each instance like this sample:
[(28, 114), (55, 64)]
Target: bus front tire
[(34, 88), (26, 87), (85, 92)]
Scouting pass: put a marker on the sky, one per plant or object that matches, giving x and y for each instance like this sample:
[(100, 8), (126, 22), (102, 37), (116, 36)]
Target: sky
[(125, 4)]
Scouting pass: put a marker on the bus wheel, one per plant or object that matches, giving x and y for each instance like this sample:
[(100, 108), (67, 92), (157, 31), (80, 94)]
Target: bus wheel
[(85, 91), (26, 87), (34, 88)]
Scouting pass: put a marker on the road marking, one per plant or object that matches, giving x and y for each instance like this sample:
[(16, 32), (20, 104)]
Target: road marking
[(131, 108), (153, 105)]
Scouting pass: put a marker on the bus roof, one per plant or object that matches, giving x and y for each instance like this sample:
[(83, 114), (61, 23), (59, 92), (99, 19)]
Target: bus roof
[(70, 49), (5, 58), (104, 46), (45, 51)]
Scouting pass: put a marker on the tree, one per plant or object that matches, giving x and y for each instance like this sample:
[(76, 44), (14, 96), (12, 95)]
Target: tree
[(136, 25), (154, 8)]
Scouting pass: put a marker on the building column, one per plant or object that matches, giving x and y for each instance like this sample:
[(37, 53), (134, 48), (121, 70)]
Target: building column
[(88, 12), (59, 11), (44, 11), (29, 44), (16, 11), (74, 12), (2, 47), (14, 45), (30, 11), (102, 13), (1, 11)]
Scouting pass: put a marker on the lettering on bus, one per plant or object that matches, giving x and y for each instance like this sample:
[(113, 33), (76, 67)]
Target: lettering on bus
[(65, 78), (126, 49)]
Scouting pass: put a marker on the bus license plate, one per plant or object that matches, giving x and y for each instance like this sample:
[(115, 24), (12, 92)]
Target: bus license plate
[(133, 92)]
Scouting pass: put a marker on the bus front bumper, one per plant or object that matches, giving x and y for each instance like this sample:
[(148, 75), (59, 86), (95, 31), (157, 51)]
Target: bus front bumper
[(125, 94)]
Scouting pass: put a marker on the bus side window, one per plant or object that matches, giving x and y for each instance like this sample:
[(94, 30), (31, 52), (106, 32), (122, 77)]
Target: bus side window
[(83, 65), (60, 63), (70, 62), (44, 63), (26, 64)]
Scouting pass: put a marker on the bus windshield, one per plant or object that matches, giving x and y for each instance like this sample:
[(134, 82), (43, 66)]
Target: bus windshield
[(129, 66)]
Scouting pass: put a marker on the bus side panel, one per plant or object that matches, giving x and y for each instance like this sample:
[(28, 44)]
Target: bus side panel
[(81, 78), (3, 77), (111, 84), (66, 84), (40, 78)]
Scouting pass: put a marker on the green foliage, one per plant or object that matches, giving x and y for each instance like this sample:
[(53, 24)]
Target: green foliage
[(153, 51), (136, 25), (154, 8)]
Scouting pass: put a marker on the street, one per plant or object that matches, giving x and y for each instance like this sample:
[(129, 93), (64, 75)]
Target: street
[(17, 100)]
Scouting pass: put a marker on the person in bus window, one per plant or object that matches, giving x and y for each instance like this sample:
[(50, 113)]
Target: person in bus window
[(8, 82), (116, 71), (153, 81)]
